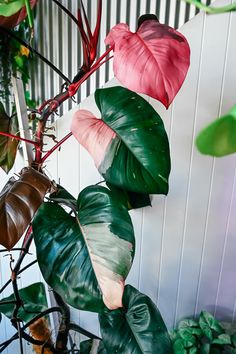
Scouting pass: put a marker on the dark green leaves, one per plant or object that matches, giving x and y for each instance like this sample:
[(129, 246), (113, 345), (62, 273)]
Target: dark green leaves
[(203, 336), (34, 301), (137, 328), (86, 258), (8, 146), (138, 158), (219, 138)]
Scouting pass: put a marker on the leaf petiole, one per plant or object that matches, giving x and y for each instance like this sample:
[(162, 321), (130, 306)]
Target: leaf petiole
[(19, 138)]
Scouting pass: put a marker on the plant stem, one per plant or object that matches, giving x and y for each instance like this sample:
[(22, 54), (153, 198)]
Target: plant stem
[(5, 344), (21, 41), (29, 13), (57, 101), (21, 271), (56, 146), (19, 138), (63, 332), (210, 9), (66, 11)]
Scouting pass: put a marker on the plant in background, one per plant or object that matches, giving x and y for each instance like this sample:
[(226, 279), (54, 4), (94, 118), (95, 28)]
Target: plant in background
[(85, 246), (15, 57), (202, 336)]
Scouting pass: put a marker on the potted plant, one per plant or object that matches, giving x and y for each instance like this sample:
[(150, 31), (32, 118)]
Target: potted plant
[(85, 246)]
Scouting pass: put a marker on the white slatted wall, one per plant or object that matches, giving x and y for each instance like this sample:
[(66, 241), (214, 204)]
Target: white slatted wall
[(186, 242), (59, 41)]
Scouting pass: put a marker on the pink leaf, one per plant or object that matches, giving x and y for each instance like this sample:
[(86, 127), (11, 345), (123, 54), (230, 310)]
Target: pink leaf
[(154, 60), (92, 133)]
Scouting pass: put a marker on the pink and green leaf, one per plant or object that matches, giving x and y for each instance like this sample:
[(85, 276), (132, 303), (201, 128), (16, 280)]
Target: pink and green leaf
[(154, 60), (86, 258), (129, 144)]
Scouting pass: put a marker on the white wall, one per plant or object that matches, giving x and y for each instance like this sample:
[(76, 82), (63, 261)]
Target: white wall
[(185, 255)]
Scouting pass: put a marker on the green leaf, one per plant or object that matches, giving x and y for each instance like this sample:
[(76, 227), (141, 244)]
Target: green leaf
[(179, 347), (187, 336), (62, 196), (192, 350), (205, 348), (131, 200), (86, 258), (219, 137), (8, 146), (187, 323), (233, 339), (222, 339), (211, 322), (138, 157), (10, 7), (34, 300), (136, 328), (19, 61), (92, 346)]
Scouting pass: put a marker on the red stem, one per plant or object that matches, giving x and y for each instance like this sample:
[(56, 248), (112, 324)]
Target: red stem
[(19, 138), (73, 88), (56, 146)]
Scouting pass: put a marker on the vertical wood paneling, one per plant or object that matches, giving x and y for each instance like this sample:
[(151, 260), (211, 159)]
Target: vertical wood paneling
[(62, 45)]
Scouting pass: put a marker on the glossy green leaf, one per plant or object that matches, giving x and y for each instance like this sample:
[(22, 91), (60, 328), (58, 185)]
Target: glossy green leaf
[(10, 7), (131, 200), (137, 328), (8, 146), (92, 346), (138, 158), (34, 300), (86, 259), (219, 138)]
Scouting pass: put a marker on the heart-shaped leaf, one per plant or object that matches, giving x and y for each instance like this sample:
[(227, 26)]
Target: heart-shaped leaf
[(19, 201), (136, 328), (154, 60), (8, 146), (86, 259), (129, 144), (212, 323), (219, 137), (12, 12), (34, 301)]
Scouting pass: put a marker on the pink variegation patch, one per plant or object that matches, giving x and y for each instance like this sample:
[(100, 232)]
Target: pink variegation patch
[(154, 60), (92, 133)]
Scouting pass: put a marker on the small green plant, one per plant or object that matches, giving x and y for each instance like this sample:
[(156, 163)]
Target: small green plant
[(206, 335)]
